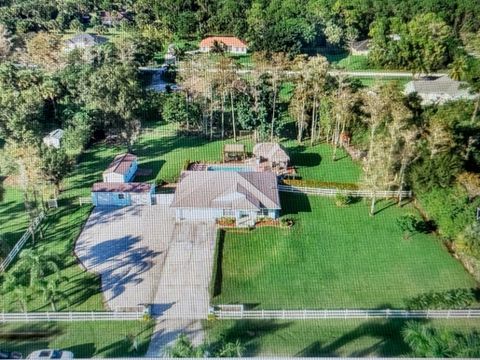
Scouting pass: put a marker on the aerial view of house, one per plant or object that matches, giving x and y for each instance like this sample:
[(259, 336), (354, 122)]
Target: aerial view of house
[(243, 195), (232, 44), (232, 179)]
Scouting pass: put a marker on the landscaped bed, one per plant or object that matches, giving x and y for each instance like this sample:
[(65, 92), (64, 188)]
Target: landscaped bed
[(334, 257)]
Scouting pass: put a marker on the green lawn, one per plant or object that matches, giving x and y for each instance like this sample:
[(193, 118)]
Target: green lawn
[(317, 163), (334, 258), (324, 338), (353, 63), (370, 81), (84, 339), (13, 218)]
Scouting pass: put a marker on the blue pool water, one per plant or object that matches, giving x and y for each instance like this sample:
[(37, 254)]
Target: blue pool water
[(230, 168)]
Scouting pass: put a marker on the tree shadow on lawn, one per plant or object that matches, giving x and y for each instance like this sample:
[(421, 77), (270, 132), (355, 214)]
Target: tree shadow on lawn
[(249, 333), (387, 331), (293, 204), (154, 165), (301, 158)]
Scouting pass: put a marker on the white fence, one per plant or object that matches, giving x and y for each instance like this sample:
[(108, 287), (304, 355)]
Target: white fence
[(71, 316), (346, 314), (20, 243), (84, 200), (354, 193)]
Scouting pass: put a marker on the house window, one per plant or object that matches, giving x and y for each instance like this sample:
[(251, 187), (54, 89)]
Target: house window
[(228, 212), (121, 196), (263, 212)]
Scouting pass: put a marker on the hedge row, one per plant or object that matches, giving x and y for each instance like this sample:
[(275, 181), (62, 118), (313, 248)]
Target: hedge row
[(321, 184)]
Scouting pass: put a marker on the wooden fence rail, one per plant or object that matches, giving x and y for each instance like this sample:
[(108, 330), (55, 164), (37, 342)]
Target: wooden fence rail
[(353, 193), (70, 316), (20, 243), (346, 314)]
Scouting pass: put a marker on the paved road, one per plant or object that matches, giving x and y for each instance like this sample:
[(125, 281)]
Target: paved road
[(143, 256)]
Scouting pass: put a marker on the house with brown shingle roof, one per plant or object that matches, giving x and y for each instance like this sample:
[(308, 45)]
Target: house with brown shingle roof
[(209, 195), (231, 44), (122, 169)]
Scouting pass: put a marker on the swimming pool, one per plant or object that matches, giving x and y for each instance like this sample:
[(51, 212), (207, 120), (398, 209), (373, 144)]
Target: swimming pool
[(230, 168)]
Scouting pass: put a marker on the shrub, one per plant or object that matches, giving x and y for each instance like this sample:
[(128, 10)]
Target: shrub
[(286, 221), (451, 299), (186, 164), (160, 182), (469, 240), (342, 200), (408, 224)]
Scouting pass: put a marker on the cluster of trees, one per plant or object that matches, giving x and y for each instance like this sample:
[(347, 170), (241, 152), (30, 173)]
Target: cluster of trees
[(34, 275), (430, 342), (450, 299), (103, 96), (183, 348)]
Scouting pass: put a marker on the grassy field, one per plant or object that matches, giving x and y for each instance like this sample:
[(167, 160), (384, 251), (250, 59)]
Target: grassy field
[(84, 339), (322, 338), (13, 218), (317, 163), (334, 258)]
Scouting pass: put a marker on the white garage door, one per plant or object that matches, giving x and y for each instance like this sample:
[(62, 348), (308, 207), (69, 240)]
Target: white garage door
[(198, 214), (140, 199)]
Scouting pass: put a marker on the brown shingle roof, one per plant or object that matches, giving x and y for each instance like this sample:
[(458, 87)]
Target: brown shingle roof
[(122, 187), (121, 164), (227, 40), (227, 190)]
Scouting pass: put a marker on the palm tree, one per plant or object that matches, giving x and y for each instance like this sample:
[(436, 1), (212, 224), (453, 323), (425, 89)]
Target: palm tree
[(51, 291), (38, 265), (458, 69)]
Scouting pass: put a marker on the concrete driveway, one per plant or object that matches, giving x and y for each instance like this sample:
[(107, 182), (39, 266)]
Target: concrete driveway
[(143, 256)]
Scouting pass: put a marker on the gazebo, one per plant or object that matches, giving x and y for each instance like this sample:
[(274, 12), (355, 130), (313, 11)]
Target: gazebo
[(233, 152)]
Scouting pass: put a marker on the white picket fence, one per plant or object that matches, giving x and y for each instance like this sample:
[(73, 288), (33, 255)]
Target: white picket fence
[(346, 314), (20, 243), (71, 316), (354, 193)]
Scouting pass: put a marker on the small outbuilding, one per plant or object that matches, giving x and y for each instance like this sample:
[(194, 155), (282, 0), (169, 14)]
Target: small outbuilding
[(122, 169), (273, 153), (122, 194), (83, 41), (54, 138), (233, 152), (438, 90), (361, 47)]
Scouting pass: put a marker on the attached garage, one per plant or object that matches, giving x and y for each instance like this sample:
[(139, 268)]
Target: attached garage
[(122, 194), (198, 214)]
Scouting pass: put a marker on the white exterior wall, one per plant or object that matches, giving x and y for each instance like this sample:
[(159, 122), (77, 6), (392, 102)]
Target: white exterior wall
[(52, 142), (113, 177), (141, 199)]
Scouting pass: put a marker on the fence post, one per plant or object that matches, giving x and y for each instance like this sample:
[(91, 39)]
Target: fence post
[(304, 314)]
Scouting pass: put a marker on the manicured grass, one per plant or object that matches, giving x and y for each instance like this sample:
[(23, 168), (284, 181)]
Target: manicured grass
[(335, 258), (84, 339), (353, 63), (317, 163), (81, 288), (335, 338), (13, 218), (370, 81)]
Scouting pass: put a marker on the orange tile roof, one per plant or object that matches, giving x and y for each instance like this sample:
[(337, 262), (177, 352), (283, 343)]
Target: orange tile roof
[(227, 40)]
